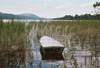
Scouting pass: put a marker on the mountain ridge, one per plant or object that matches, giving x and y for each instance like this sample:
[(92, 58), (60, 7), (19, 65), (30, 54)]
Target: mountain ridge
[(21, 16)]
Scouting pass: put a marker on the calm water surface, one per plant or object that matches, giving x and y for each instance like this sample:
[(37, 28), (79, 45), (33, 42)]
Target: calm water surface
[(77, 53)]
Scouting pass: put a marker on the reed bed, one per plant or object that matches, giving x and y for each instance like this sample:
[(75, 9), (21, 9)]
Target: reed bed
[(14, 37), (11, 34), (83, 33), (12, 41), (75, 28)]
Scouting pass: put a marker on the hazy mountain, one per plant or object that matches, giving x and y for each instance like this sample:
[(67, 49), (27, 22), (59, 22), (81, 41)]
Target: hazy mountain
[(29, 16), (20, 16), (8, 16)]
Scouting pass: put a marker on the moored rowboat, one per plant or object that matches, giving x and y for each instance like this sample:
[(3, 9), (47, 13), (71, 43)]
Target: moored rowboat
[(51, 46)]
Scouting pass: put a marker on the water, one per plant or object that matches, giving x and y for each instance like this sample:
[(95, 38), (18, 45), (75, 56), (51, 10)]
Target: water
[(77, 54), (36, 61), (24, 20), (30, 20)]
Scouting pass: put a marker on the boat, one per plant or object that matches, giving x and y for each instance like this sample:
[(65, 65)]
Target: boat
[(51, 48)]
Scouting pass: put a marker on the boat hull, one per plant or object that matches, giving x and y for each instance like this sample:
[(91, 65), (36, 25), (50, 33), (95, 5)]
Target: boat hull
[(50, 54)]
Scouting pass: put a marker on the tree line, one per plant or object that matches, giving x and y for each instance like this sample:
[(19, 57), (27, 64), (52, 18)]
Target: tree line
[(85, 16), (80, 17)]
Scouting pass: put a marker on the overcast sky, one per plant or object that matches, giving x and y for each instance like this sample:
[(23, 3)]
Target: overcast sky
[(47, 8)]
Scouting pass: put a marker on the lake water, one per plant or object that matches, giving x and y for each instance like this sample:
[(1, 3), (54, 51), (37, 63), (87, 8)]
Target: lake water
[(24, 20), (28, 20), (77, 53)]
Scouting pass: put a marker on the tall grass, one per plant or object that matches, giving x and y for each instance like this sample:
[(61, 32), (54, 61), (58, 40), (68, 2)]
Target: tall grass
[(11, 34), (75, 28), (87, 32), (12, 43)]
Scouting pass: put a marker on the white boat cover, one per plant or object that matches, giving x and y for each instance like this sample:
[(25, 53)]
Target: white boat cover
[(48, 42)]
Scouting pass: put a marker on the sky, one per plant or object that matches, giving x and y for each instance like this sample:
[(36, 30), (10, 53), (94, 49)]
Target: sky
[(48, 8)]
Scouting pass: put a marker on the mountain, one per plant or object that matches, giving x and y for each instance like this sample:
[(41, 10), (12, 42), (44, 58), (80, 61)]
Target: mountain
[(8, 16), (21, 16), (29, 16)]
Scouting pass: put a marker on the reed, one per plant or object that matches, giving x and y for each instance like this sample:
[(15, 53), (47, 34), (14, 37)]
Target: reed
[(87, 32), (11, 34), (75, 28), (14, 35), (12, 41)]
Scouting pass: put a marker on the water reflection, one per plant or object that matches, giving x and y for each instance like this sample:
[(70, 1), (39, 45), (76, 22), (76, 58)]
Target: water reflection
[(13, 59), (78, 53), (36, 61)]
